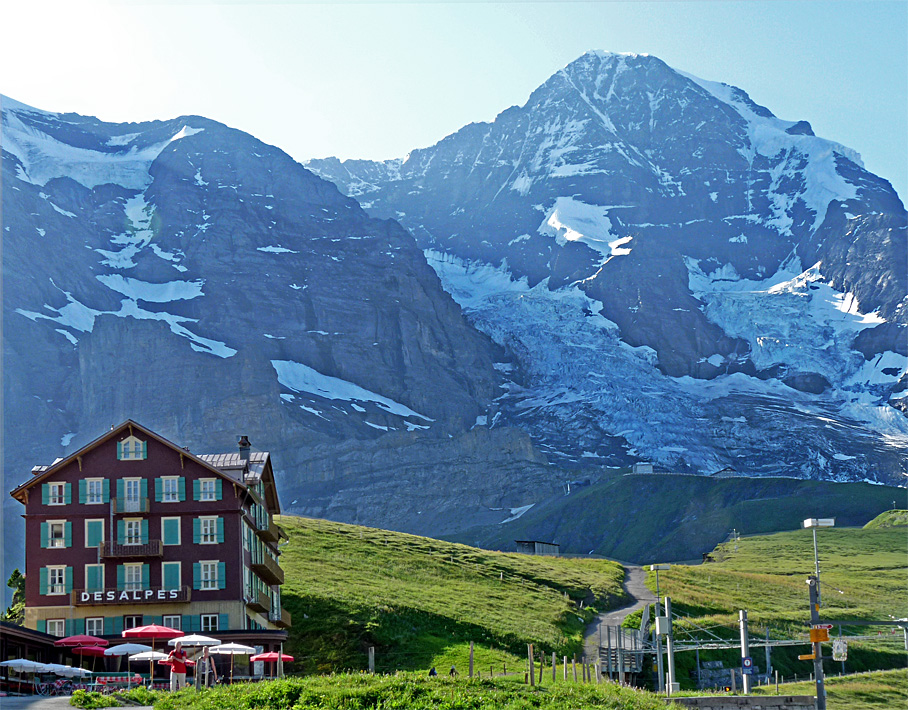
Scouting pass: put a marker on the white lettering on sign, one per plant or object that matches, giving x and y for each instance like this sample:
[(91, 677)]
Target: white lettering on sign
[(113, 596)]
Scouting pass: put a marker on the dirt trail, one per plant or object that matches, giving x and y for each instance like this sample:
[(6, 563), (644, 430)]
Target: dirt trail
[(635, 587)]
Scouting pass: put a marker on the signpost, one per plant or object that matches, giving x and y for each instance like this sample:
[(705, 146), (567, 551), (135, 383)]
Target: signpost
[(747, 666), (839, 650)]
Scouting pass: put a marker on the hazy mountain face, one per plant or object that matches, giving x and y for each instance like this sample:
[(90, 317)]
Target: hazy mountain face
[(682, 276)]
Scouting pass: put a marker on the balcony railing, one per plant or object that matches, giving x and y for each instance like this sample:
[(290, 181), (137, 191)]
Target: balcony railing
[(130, 505), (152, 548), (280, 618), (269, 533), (269, 570), (258, 601)]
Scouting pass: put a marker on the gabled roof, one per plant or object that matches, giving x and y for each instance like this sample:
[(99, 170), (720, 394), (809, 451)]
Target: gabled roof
[(44, 472), (254, 469)]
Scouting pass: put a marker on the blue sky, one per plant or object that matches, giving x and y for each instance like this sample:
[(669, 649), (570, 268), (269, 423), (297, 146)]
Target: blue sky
[(376, 79)]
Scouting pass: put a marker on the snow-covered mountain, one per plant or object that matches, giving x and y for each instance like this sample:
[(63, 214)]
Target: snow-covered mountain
[(681, 276)]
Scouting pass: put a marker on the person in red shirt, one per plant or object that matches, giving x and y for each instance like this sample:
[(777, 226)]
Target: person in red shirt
[(177, 659)]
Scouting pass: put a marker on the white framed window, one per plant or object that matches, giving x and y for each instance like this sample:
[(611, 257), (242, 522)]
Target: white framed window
[(94, 626), (207, 489), (174, 621), (94, 578), (171, 575), (56, 627), (56, 580), (56, 533), (132, 490), (208, 531), (132, 531), (94, 490), (131, 621), (170, 531), (209, 571), (132, 576), (94, 532), (56, 494), (209, 622), (131, 449), (170, 489)]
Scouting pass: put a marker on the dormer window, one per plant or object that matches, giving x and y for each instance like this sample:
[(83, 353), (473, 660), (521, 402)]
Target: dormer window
[(132, 449)]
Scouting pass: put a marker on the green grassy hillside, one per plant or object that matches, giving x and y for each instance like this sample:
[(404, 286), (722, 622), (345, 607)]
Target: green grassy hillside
[(889, 519), (421, 601), (865, 691), (863, 576), (671, 517)]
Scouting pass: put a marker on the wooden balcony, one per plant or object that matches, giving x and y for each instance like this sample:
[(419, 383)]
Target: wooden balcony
[(259, 601), (268, 570), (280, 618), (121, 506), (269, 533), (152, 548)]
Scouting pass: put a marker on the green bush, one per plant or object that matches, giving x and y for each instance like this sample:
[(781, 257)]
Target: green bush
[(140, 695), (89, 699)]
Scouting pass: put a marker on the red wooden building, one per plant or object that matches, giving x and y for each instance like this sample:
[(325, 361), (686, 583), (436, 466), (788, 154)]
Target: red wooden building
[(133, 529)]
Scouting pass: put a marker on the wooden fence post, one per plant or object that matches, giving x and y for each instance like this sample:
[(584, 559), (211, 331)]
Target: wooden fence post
[(574, 667), (530, 659), (541, 665), (371, 659), (471, 659), (554, 667), (565, 667)]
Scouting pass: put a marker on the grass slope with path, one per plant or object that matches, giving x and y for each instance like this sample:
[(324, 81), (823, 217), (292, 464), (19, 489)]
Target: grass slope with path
[(862, 574), (421, 601)]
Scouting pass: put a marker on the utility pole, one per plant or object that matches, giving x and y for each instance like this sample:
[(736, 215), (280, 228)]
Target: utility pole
[(813, 584), (673, 686), (659, 668), (745, 652)]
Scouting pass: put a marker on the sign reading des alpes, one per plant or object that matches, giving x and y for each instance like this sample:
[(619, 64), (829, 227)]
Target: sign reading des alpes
[(84, 597)]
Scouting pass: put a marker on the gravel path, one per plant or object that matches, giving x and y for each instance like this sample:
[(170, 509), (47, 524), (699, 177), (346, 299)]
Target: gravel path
[(635, 587)]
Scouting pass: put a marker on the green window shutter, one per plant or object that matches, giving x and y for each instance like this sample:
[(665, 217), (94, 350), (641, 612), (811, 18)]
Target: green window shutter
[(94, 532), (120, 450), (144, 449), (197, 489), (170, 531), (222, 575), (186, 624), (196, 575), (196, 530), (118, 625), (143, 488), (181, 488), (171, 576), (42, 579), (217, 489), (158, 490), (68, 627), (67, 534), (67, 493), (121, 577), (45, 493), (223, 622), (92, 579), (144, 532), (146, 576), (105, 491), (121, 532), (121, 488), (108, 626), (45, 535), (78, 626), (83, 493), (147, 619), (220, 529), (42, 625), (68, 579)]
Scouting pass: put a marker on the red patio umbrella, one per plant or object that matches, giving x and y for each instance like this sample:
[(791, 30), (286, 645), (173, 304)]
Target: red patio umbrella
[(152, 631), (271, 657), (93, 651), (81, 640)]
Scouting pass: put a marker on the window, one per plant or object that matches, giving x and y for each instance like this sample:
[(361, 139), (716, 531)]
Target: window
[(94, 532), (174, 621), (94, 578), (207, 489), (131, 621), (171, 575), (56, 533), (56, 580), (208, 529), (57, 494), (170, 531), (132, 531), (94, 490), (94, 626), (131, 449), (209, 622), (170, 489), (132, 576), (132, 489), (209, 572), (56, 627)]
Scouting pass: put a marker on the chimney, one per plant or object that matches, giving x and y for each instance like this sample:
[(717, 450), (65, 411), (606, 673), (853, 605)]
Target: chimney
[(245, 446)]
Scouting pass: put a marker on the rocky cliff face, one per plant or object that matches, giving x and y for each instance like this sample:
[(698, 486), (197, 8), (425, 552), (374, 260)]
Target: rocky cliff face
[(190, 277), (682, 276)]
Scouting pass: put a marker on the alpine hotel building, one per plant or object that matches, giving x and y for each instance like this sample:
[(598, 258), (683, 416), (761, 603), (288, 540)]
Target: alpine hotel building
[(133, 529)]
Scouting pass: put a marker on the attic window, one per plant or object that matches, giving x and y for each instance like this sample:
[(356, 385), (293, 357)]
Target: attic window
[(132, 449)]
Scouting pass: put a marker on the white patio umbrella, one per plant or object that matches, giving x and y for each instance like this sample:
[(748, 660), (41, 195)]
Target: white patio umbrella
[(23, 665), (151, 657), (232, 649), (194, 640), (124, 649)]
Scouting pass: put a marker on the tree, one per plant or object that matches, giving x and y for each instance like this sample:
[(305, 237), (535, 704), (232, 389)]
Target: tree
[(15, 613)]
